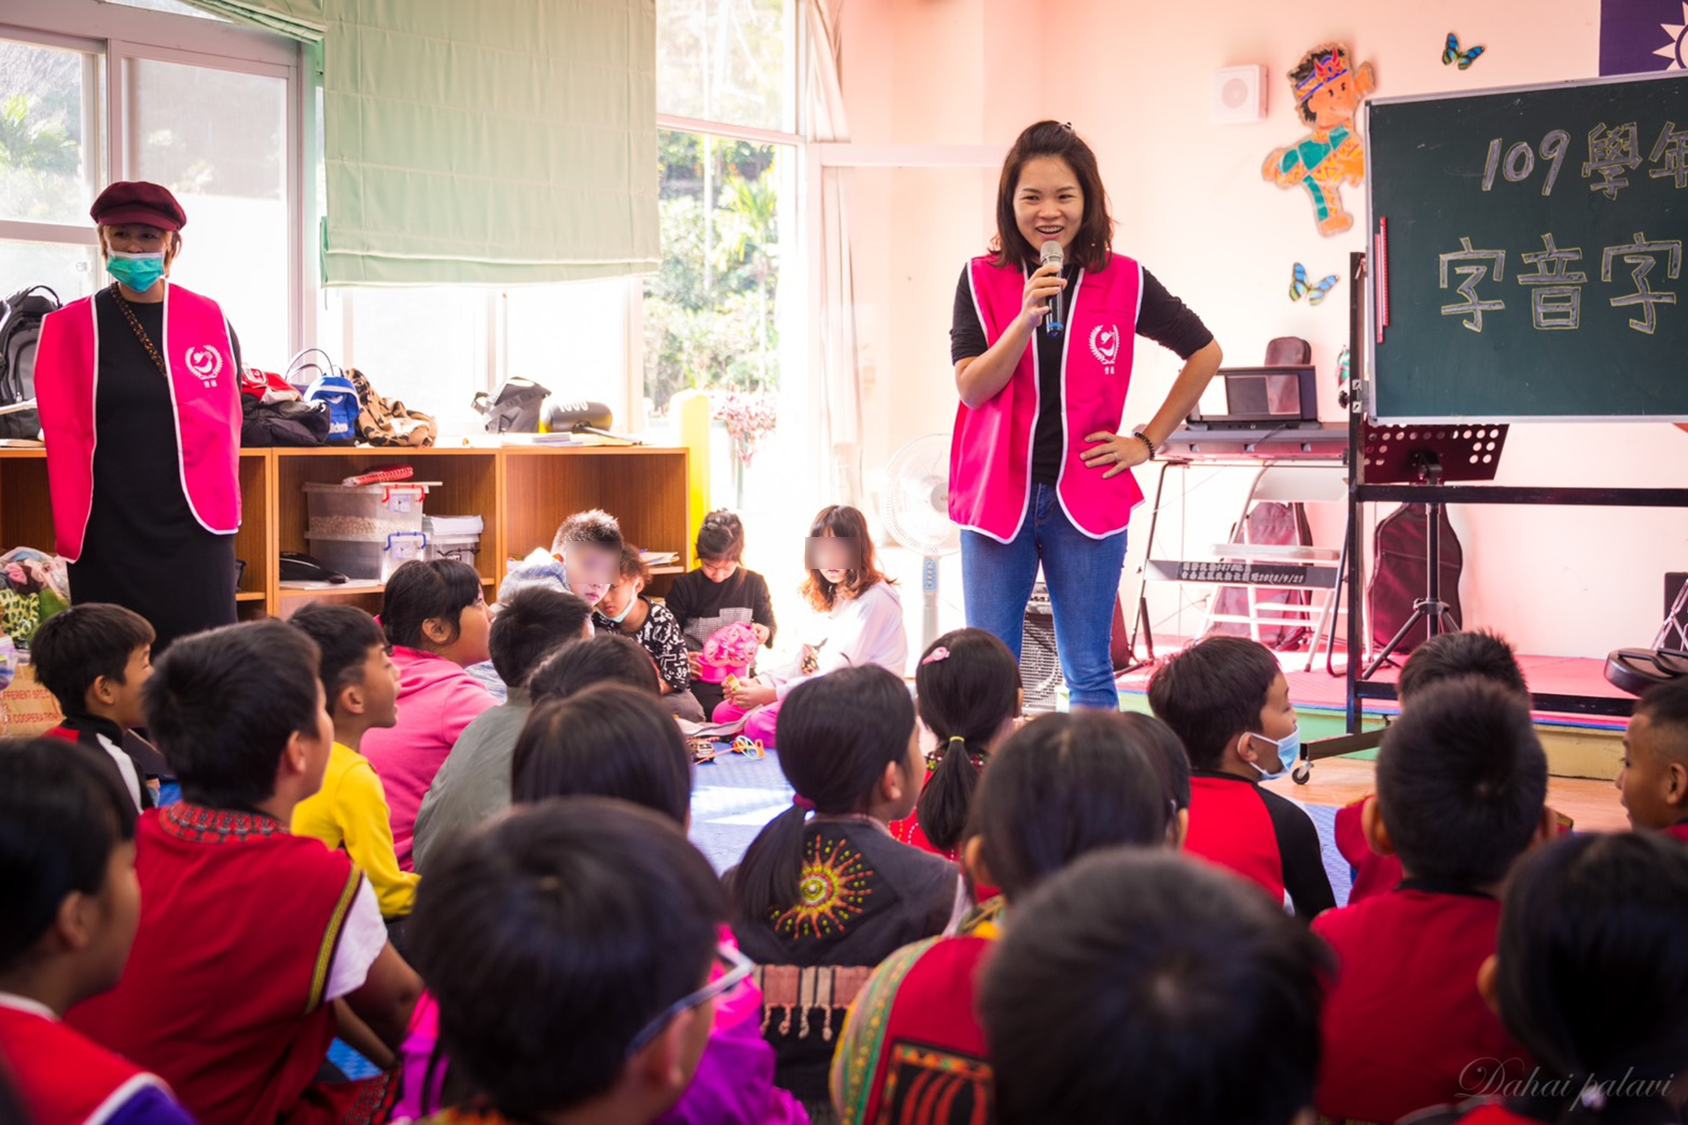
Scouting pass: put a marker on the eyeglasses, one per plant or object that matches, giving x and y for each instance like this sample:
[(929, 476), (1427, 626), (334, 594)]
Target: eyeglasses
[(738, 967)]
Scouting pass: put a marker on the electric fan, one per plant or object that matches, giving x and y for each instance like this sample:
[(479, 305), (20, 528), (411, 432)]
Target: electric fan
[(914, 503)]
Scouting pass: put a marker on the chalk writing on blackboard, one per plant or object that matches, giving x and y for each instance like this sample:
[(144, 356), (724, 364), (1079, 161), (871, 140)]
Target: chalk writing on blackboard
[(1556, 288), (1473, 266), (1611, 152), (1520, 161), (1671, 151), (1556, 299), (1644, 256)]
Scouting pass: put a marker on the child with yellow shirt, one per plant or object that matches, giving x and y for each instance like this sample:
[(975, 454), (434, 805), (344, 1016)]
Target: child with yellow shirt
[(361, 684)]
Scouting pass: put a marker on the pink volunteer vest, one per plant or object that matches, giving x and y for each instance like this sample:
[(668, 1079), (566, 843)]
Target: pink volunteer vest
[(990, 452), (200, 357)]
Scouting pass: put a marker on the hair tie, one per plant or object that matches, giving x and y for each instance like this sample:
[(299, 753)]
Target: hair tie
[(802, 802), (933, 657), (953, 739)]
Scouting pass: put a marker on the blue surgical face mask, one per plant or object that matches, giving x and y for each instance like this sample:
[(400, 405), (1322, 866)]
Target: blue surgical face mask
[(1289, 752), (625, 610), (139, 272)]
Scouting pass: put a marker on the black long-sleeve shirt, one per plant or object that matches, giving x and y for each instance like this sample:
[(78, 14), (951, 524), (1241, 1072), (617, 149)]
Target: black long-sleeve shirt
[(1161, 317)]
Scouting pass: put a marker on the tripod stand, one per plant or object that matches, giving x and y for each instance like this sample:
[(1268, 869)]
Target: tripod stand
[(1435, 613)]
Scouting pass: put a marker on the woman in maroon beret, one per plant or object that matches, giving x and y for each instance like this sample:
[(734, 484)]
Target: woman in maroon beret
[(138, 388)]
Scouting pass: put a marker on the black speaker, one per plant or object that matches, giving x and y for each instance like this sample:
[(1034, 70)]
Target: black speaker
[(1040, 666)]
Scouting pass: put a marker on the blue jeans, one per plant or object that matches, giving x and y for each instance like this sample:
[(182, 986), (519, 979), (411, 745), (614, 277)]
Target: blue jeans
[(1083, 577)]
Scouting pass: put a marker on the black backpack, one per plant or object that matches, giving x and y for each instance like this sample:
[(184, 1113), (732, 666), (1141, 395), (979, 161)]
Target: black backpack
[(1398, 574), (20, 331)]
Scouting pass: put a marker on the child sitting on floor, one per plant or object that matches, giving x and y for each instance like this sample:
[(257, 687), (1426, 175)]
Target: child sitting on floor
[(819, 902), (722, 591), (625, 610), (1227, 700), (859, 620), (249, 935), (1654, 778), (69, 905), (1443, 657), (1064, 786), (350, 810), (583, 559), (474, 782), (1141, 986), (602, 659), (967, 690), (1589, 974), (572, 948), (94, 659), (435, 617), (1461, 779)]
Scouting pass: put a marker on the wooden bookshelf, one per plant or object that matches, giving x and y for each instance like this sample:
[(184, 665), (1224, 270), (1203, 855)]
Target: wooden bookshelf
[(521, 494)]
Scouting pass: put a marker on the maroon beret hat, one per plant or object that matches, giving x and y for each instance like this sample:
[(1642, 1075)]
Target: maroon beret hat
[(136, 201)]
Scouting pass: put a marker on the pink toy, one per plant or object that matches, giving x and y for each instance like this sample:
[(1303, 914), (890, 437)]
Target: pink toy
[(729, 651)]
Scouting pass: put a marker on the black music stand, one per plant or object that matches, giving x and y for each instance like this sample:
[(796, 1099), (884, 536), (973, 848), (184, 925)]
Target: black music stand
[(1432, 455)]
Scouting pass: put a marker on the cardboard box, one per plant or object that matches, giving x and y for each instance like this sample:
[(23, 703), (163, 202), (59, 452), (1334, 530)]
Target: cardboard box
[(29, 708)]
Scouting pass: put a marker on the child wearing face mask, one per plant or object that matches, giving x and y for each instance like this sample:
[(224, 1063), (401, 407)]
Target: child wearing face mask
[(625, 610), (1227, 699)]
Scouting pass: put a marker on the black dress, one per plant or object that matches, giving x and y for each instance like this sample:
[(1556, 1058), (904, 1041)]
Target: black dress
[(144, 549)]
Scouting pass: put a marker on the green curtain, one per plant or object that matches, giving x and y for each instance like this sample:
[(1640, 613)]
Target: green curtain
[(503, 142), (296, 19)]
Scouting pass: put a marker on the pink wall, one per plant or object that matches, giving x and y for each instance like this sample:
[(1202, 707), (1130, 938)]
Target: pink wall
[(1191, 205)]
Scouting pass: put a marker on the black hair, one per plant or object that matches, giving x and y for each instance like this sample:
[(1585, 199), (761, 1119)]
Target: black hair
[(964, 698), (1448, 656), (1168, 753), (594, 527), (1065, 785), (1145, 986), (221, 706), (721, 537), (535, 622), (1591, 968), (605, 658), (1092, 244), (609, 740), (1211, 692), (836, 734), (633, 564), (78, 645), (62, 813), (420, 591), (551, 936), (344, 634), (1666, 707), (1461, 778)]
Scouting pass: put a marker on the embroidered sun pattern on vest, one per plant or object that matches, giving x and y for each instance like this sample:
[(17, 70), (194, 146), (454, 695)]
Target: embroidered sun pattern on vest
[(216, 826), (835, 886)]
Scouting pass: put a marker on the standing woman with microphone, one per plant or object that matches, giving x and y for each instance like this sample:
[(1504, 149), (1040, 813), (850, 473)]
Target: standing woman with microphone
[(1042, 343)]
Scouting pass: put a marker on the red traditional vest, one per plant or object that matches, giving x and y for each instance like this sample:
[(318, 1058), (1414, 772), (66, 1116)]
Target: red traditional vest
[(65, 1078), (223, 996), (990, 452), (200, 357)]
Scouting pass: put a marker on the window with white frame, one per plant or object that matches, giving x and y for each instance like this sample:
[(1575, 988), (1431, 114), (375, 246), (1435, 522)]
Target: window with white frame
[(728, 154), (89, 95)]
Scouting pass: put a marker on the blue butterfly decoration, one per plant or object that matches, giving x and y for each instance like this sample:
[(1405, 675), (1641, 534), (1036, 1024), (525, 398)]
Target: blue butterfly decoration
[(1453, 54), (1315, 294)]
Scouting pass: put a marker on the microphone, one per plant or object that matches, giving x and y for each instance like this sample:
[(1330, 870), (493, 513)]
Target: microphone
[(1056, 322)]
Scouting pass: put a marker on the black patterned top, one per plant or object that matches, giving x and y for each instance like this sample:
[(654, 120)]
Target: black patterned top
[(660, 636)]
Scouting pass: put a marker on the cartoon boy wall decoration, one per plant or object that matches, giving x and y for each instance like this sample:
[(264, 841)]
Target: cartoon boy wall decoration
[(1328, 91)]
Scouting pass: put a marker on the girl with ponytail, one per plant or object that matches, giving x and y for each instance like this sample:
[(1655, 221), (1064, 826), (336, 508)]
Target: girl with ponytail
[(824, 892), (968, 689)]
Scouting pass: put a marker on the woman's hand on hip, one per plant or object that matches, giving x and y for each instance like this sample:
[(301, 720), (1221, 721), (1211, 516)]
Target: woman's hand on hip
[(1114, 452), (1040, 290)]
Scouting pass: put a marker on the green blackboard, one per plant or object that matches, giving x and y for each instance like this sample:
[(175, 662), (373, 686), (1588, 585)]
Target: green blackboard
[(1527, 253)]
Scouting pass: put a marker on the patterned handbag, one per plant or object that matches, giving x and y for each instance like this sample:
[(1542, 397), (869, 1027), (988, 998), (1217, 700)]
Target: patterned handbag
[(390, 423)]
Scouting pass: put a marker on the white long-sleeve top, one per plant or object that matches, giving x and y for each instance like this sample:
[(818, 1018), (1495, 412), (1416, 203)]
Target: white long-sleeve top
[(866, 629)]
